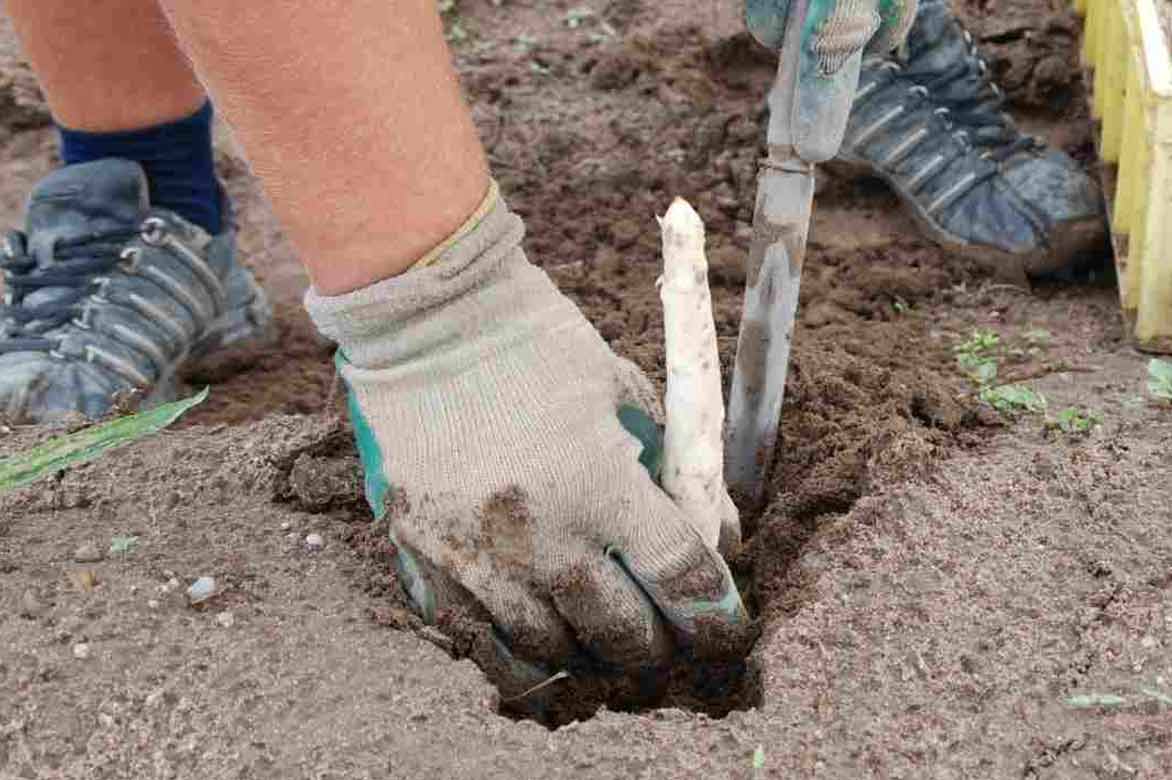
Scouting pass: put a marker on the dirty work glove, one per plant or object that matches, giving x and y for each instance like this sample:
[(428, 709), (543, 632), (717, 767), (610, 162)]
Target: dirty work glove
[(832, 36), (485, 408), (833, 29)]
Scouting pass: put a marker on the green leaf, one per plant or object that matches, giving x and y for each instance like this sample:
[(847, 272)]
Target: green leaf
[(576, 16), (982, 341), (759, 758), (86, 445), (123, 545), (1160, 379), (981, 370), (1159, 696), (1014, 399), (1076, 421), (1087, 700)]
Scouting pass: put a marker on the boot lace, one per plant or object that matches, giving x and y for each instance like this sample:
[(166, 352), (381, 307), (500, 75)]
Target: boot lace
[(972, 103), (78, 262)]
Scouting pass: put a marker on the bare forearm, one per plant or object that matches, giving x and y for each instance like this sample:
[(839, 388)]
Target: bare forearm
[(351, 114)]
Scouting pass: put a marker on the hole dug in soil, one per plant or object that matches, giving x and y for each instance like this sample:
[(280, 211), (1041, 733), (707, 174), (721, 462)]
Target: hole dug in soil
[(318, 483), (872, 400)]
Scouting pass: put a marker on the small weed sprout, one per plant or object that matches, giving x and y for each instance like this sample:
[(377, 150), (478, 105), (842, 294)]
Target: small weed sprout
[(980, 369), (1076, 422), (575, 17), (1014, 399), (524, 43), (974, 357), (1160, 379), (981, 342), (1085, 701), (123, 545)]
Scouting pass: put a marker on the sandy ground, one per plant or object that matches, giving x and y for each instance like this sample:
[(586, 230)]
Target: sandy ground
[(942, 589)]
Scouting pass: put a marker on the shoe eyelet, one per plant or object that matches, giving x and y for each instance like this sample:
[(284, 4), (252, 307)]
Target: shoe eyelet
[(84, 321), (129, 258), (153, 231), (10, 249), (100, 284), (919, 89)]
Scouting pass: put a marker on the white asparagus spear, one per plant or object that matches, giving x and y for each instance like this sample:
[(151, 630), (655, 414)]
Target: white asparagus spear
[(693, 447)]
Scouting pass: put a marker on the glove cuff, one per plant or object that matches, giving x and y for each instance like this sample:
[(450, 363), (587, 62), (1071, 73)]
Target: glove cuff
[(467, 259)]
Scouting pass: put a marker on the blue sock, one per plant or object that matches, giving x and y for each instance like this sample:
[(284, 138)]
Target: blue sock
[(177, 158)]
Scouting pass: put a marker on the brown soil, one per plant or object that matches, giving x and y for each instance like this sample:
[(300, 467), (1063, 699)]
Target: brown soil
[(936, 583)]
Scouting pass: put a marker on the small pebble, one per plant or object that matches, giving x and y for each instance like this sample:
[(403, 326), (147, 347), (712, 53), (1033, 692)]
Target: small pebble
[(314, 542), (153, 603), (154, 698), (30, 605), (285, 526), (201, 590), (169, 586), (225, 619), (87, 553), (81, 651)]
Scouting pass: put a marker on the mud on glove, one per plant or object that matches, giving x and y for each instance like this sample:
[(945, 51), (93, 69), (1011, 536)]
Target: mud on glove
[(485, 407)]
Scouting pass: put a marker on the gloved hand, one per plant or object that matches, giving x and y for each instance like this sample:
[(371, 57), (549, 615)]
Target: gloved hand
[(831, 37), (835, 29), (485, 407)]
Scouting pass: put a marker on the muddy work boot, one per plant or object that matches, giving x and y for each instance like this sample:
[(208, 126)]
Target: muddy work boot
[(930, 122), (104, 295)]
